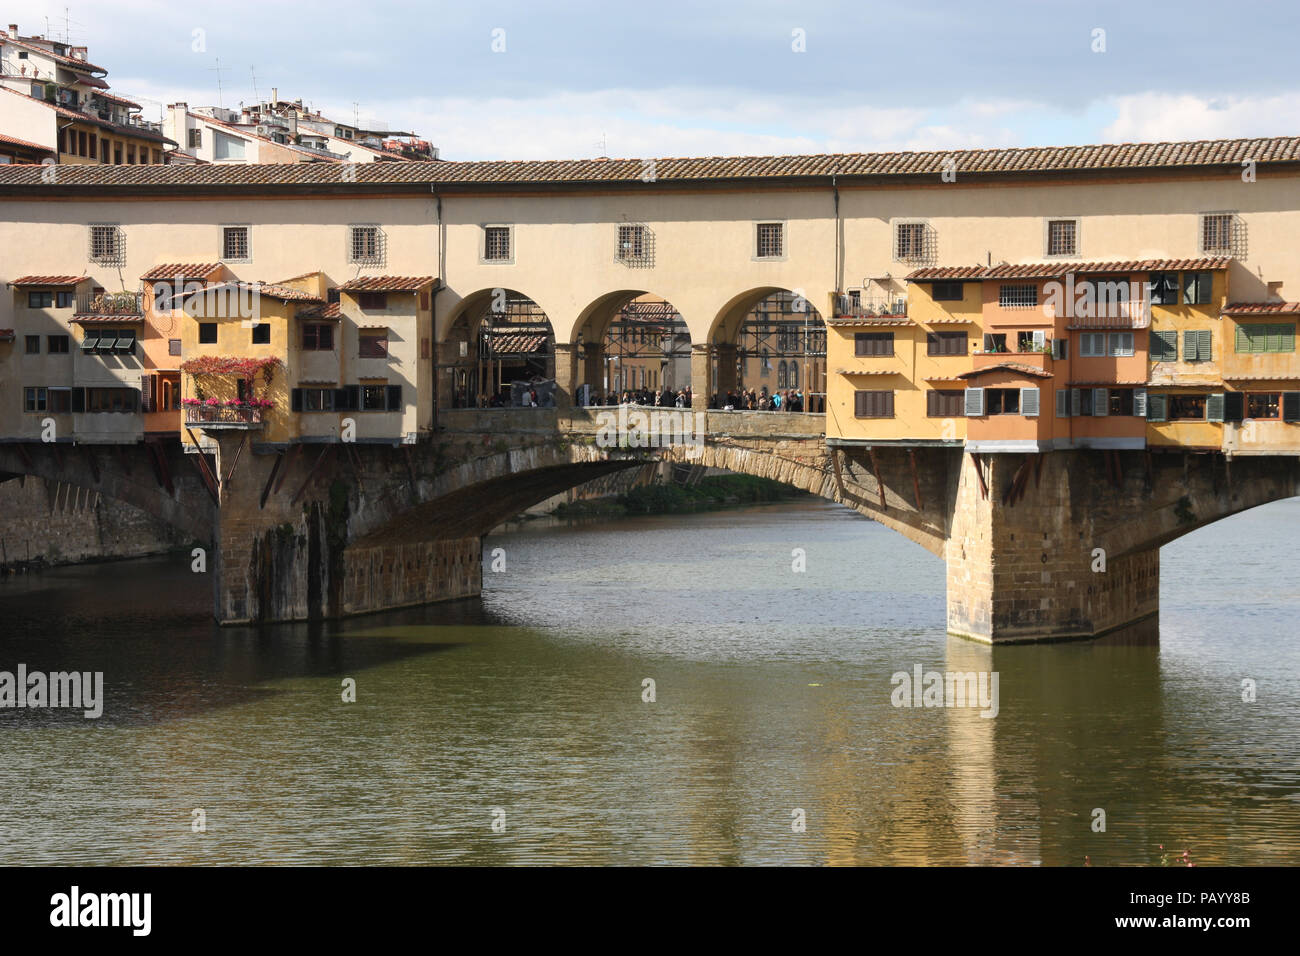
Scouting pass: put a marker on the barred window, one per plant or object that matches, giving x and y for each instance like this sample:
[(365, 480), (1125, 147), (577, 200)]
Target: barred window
[(770, 245), (234, 242), (1216, 232), (106, 245), (1062, 237), (367, 246), (909, 242), (1018, 296), (496, 242)]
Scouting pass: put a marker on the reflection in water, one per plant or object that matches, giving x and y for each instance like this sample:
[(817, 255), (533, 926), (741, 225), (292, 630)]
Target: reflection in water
[(773, 693)]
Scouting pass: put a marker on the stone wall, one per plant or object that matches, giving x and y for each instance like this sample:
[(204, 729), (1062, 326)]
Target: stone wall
[(53, 522)]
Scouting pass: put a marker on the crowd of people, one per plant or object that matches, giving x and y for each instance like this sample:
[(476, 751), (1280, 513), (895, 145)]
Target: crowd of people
[(786, 400)]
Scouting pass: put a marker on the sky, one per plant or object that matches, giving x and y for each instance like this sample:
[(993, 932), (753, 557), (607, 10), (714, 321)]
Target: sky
[(580, 79)]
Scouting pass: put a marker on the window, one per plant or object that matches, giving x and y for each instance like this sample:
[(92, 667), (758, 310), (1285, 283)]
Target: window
[(1197, 345), (366, 246), (111, 399), (873, 404), (633, 243), (373, 301), (1119, 344), (1031, 341), (64, 300), (1217, 232), (1187, 407), (33, 344), (1264, 405), (227, 147), (770, 237), (262, 333), (195, 138), (234, 243), (374, 398), (910, 242), (207, 333), (1018, 296), (1164, 288), (947, 291), (373, 345), (59, 399), (1266, 338), (496, 243), (873, 343), (56, 344), (34, 399), (945, 343), (1120, 401), (317, 399), (1197, 287), (40, 300), (318, 337), (106, 245), (1063, 237), (1164, 346), (995, 342), (1002, 401), (1092, 344), (940, 403), (173, 346)]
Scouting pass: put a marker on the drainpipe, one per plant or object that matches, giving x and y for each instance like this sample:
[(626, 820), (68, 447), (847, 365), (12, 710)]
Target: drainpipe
[(433, 308), (835, 189)]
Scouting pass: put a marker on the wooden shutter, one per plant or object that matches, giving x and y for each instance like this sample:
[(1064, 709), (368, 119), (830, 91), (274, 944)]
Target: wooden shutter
[(1290, 406), (1189, 346), (352, 397), (295, 400), (1214, 407), (340, 399), (1234, 406), (394, 398), (1164, 346), (1140, 402), (1076, 401), (973, 403), (1157, 406), (78, 399), (1100, 402), (1287, 335), (1029, 402), (1062, 403), (1204, 341)]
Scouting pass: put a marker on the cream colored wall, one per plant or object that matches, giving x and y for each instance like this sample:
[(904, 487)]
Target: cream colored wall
[(25, 118), (399, 368)]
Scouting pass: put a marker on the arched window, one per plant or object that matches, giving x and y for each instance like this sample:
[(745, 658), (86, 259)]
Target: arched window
[(794, 375), (781, 373)]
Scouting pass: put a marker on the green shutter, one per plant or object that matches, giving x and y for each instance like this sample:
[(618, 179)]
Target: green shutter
[(1290, 406), (1156, 407), (1189, 346), (1204, 344), (1287, 334), (1214, 407), (1164, 346)]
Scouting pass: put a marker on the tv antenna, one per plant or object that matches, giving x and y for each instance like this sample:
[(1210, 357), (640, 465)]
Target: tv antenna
[(218, 69)]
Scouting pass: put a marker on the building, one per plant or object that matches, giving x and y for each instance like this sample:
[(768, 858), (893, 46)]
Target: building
[(57, 105)]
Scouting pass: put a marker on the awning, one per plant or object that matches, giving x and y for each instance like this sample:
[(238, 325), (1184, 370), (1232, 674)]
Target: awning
[(90, 341)]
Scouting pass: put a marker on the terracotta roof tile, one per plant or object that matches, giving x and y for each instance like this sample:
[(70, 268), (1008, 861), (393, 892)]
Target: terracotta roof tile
[(517, 344), (1008, 367), (1261, 308), (200, 270), (852, 320), (329, 310), (1052, 159), (944, 273), (1058, 269), (49, 280), (14, 141), (387, 284), (94, 318)]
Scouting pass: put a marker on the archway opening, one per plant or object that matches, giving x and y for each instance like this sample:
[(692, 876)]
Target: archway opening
[(768, 353), (500, 353), (635, 348)]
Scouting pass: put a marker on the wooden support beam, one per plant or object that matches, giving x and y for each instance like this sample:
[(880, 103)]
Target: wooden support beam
[(24, 455), (410, 471), (293, 460), (201, 463), (123, 459), (90, 460), (875, 471), (160, 467), (1038, 469), (1150, 481), (835, 463), (311, 474), (58, 453), (979, 474), (270, 479), (916, 481), (235, 464)]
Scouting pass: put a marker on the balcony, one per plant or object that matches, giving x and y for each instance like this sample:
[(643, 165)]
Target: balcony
[(875, 306), (124, 304), (224, 416)]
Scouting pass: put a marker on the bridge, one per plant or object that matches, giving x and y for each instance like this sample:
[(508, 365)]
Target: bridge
[(1059, 545)]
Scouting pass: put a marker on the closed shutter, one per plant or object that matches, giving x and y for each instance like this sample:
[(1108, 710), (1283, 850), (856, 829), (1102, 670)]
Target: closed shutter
[(351, 397), (1189, 346), (1214, 407), (394, 398), (1234, 406), (1100, 402), (1156, 407), (148, 386), (1076, 401), (973, 403), (1140, 402), (1288, 338), (340, 399), (1062, 403), (1029, 402), (1245, 341), (1060, 349), (1290, 406), (1204, 342), (79, 399), (295, 400), (1164, 346)]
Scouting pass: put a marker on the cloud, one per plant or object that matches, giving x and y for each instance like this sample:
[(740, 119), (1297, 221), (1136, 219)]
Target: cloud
[(1159, 117)]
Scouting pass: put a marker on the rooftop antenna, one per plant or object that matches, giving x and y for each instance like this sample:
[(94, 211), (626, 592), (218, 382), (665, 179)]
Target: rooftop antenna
[(256, 95), (604, 149), (218, 69), (356, 114)]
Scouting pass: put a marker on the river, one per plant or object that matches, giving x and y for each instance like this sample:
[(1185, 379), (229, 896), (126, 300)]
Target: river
[(772, 737)]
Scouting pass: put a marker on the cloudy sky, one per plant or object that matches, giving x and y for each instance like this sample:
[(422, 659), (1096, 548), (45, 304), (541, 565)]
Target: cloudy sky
[(550, 80)]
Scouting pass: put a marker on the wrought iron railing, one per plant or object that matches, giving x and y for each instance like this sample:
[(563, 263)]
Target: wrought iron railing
[(222, 415)]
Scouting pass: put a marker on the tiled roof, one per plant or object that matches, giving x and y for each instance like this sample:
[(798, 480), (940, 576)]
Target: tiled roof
[(953, 320), (1057, 269), (517, 344), (69, 61), (1040, 160), (864, 371), (118, 99), (49, 280), (93, 318), (387, 284), (271, 291), (851, 320), (1261, 308), (14, 141), (328, 310), (200, 270), (139, 132), (1008, 367), (1127, 382)]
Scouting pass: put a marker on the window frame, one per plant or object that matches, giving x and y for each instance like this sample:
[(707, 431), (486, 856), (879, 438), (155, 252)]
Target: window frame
[(1077, 224), (1229, 245), (248, 241), (115, 257), (378, 256), (756, 245), (924, 239), (487, 229)]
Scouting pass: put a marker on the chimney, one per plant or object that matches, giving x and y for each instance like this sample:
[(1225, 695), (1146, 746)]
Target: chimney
[(275, 95), (13, 30)]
